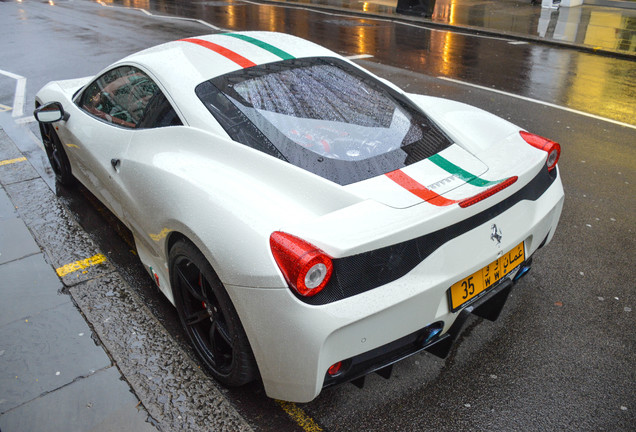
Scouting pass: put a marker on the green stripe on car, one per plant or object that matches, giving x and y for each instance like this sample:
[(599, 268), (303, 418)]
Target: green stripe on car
[(276, 51), (469, 178)]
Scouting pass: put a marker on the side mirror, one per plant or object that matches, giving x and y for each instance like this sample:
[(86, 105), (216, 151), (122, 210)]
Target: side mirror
[(50, 113)]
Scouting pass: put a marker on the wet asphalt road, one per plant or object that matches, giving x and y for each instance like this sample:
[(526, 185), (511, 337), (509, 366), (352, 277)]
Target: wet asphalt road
[(561, 356)]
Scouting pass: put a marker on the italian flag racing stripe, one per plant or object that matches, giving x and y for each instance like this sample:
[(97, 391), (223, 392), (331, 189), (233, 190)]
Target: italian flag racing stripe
[(398, 176), (231, 55), (418, 189), (421, 191), (460, 173), (272, 49)]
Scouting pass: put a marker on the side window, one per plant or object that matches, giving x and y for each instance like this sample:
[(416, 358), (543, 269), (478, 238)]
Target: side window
[(127, 97), (159, 113)]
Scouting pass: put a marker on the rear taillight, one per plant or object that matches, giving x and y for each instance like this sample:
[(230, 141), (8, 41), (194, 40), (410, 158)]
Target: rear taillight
[(306, 268), (552, 148), (335, 369)]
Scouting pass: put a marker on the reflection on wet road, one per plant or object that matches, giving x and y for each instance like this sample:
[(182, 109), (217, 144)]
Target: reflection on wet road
[(599, 85)]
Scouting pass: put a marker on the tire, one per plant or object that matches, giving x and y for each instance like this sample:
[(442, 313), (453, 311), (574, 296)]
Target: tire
[(209, 318), (57, 156)]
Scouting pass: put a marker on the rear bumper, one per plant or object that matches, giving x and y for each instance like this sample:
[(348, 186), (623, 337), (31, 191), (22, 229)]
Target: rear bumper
[(295, 343), (381, 359)]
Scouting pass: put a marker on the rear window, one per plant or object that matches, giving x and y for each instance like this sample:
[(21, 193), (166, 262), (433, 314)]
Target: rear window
[(323, 115)]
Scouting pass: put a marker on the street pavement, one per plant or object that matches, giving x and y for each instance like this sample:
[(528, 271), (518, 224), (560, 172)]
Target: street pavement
[(51, 360)]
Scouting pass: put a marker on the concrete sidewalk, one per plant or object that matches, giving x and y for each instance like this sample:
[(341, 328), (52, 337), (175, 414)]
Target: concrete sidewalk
[(80, 350), (592, 28), (53, 374)]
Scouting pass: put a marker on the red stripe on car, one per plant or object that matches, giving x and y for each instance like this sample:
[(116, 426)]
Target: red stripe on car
[(229, 54), (417, 189)]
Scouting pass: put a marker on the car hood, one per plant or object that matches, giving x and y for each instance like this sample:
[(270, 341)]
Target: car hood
[(70, 86)]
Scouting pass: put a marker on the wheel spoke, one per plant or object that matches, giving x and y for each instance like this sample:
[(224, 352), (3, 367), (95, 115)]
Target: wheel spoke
[(221, 348), (191, 289), (222, 331), (197, 317)]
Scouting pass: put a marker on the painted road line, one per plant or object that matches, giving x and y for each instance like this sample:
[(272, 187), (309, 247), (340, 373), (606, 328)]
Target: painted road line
[(25, 120), (303, 420), (12, 161), (4, 108), (551, 105), (359, 56), (80, 265), (20, 91)]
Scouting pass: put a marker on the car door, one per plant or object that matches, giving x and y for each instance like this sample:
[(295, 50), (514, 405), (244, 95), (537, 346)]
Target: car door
[(111, 110)]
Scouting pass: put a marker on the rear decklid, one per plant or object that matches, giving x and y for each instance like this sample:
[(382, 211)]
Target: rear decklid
[(486, 151), (428, 180)]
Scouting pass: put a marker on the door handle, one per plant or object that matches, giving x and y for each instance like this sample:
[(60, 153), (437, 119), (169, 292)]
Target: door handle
[(115, 163)]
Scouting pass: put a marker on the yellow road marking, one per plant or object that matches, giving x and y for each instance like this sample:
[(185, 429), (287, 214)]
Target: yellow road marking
[(80, 265), (12, 161), (304, 421), (5, 108)]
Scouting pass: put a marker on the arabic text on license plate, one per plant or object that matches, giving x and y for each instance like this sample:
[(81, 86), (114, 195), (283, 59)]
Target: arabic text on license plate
[(473, 285)]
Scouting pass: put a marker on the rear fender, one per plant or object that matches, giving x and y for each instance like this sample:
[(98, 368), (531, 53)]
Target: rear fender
[(223, 196), (471, 127)]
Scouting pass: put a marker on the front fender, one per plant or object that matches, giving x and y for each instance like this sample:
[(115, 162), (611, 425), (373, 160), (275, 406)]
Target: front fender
[(60, 91)]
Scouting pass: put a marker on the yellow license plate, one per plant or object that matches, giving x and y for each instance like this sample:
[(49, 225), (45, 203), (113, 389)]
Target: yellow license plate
[(470, 287)]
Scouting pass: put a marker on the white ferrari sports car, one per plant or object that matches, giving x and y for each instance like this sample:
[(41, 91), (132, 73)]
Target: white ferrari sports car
[(311, 222)]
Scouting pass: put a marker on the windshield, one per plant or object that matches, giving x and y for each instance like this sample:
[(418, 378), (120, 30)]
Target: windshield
[(323, 115)]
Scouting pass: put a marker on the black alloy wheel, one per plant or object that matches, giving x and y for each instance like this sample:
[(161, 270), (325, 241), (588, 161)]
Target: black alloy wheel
[(57, 156), (209, 318)]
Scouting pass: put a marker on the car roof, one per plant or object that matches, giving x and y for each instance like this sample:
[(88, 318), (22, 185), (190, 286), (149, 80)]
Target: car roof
[(197, 59), (181, 65)]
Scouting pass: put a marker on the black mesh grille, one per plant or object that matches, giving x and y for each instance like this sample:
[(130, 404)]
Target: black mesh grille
[(431, 143)]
